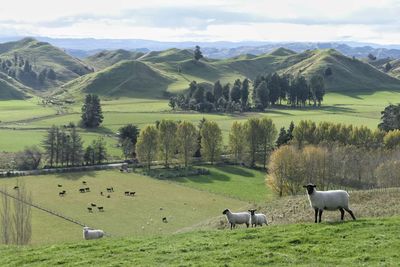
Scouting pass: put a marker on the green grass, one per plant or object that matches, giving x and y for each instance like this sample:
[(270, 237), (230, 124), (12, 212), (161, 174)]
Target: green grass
[(357, 109), (367, 242), (124, 216), (233, 181)]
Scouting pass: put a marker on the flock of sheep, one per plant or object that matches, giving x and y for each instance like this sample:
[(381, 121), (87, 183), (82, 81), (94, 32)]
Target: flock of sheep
[(319, 200)]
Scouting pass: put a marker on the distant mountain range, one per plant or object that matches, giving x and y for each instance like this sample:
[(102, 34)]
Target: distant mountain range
[(32, 67), (84, 47)]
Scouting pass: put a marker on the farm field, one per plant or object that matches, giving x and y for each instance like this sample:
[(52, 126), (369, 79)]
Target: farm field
[(141, 215), (358, 109), (367, 242)]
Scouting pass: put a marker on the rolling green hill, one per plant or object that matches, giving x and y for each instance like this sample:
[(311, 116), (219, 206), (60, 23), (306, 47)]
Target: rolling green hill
[(127, 78), (12, 89), (173, 69), (367, 242), (394, 64), (39, 65), (106, 58)]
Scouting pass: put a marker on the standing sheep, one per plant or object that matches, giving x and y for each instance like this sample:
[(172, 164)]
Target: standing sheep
[(257, 219), (328, 200), (237, 218), (92, 234)]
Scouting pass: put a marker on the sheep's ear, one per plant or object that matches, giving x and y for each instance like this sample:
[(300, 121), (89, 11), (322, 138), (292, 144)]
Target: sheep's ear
[(314, 185), (304, 186)]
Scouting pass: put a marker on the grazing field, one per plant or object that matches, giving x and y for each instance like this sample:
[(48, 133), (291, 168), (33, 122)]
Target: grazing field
[(140, 215), (233, 181), (367, 242), (357, 109)]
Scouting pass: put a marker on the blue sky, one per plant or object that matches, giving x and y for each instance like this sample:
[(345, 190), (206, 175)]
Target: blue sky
[(217, 20)]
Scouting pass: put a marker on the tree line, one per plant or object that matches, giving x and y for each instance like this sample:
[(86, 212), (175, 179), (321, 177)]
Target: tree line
[(267, 91)]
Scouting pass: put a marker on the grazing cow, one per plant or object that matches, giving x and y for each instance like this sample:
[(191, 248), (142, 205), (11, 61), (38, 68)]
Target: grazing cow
[(90, 209), (127, 193), (92, 204), (16, 187), (101, 193), (59, 185), (164, 220), (109, 190), (83, 182), (87, 189), (61, 194), (82, 190), (108, 196), (132, 194), (101, 209)]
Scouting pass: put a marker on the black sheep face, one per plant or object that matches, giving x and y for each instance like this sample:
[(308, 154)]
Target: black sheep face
[(252, 212), (310, 188), (225, 211)]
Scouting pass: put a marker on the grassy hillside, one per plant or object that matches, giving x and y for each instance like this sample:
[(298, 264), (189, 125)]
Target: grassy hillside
[(12, 89), (367, 242), (106, 58), (39, 65), (127, 78)]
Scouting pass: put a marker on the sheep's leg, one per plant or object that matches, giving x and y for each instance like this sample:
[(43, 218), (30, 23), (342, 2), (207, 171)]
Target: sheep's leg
[(316, 215), (341, 213), (231, 226), (351, 213), (320, 214), (247, 224)]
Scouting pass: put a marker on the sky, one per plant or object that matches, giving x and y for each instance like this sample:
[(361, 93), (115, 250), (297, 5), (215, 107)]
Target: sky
[(374, 21)]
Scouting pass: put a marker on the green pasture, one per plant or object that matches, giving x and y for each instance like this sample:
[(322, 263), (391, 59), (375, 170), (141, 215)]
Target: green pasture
[(124, 216)]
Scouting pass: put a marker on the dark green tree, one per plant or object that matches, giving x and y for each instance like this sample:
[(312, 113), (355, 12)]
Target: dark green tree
[(262, 94), (197, 53), (92, 115), (274, 86), (225, 91), (390, 119), (217, 91), (244, 94), (235, 93)]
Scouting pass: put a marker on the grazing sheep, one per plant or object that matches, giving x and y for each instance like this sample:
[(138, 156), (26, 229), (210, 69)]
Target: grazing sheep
[(92, 234), (59, 185), (108, 196), (257, 219), (328, 200), (90, 209), (127, 193), (237, 218), (16, 187), (164, 220), (82, 190), (83, 182), (92, 204), (61, 194), (109, 189), (132, 194), (101, 209), (101, 193), (87, 189)]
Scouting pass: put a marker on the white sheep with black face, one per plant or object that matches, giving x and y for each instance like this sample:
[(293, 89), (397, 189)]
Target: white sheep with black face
[(328, 200), (257, 219), (92, 234), (237, 218)]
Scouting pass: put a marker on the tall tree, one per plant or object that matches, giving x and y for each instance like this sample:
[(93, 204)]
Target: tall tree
[(244, 94), (274, 86), (147, 145), (49, 144), (127, 148), (100, 150), (267, 137), (130, 132), (187, 141), (235, 93), (237, 141), (92, 115), (225, 91), (317, 88), (197, 53), (390, 119), (217, 91), (211, 141), (262, 94), (76, 147), (252, 131), (167, 140)]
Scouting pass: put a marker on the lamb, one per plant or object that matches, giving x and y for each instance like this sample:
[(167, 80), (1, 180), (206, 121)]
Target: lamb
[(328, 200), (257, 219), (92, 234), (237, 218)]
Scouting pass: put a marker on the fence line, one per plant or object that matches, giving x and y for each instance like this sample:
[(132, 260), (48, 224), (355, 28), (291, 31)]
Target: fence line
[(47, 210)]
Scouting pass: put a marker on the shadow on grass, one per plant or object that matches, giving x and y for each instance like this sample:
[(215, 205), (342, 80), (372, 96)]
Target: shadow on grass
[(203, 179), (236, 171), (75, 175)]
